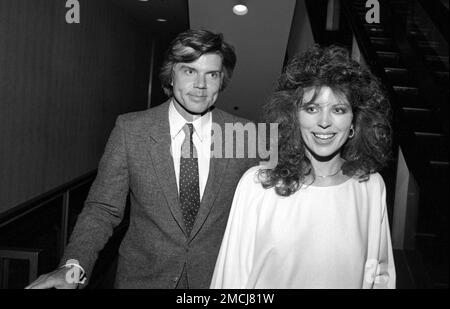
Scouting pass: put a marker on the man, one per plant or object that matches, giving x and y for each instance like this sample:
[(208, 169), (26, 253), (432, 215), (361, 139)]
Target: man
[(180, 195)]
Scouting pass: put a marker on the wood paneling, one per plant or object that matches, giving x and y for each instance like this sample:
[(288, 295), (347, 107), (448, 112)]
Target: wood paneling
[(61, 89)]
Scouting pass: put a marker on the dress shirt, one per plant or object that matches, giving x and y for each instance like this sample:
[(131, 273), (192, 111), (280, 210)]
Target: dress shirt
[(201, 139)]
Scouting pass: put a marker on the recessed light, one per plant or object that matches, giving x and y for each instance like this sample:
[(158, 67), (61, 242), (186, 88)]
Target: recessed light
[(240, 9), (161, 20)]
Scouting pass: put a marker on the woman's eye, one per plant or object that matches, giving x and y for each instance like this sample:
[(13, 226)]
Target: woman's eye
[(310, 109), (340, 110)]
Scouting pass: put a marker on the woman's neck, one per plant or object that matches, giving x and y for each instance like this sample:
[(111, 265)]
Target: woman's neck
[(327, 173), (327, 168)]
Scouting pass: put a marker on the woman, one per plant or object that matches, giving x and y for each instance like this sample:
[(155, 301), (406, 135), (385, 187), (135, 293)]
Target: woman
[(318, 219)]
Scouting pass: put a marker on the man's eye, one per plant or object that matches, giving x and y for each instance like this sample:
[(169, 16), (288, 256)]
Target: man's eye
[(188, 71), (214, 74)]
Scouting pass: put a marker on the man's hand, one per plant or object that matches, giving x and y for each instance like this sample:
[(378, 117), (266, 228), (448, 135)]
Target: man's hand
[(56, 279)]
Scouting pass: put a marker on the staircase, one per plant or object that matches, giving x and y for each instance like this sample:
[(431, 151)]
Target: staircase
[(411, 59), (415, 62), (422, 111)]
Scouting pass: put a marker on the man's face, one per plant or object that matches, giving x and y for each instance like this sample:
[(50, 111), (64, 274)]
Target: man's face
[(196, 85)]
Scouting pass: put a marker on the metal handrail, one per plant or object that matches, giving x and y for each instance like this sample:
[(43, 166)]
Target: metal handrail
[(37, 202)]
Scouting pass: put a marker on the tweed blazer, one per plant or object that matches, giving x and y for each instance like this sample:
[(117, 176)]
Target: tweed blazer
[(156, 248)]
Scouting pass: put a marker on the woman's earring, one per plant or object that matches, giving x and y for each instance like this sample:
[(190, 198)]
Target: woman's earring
[(351, 132)]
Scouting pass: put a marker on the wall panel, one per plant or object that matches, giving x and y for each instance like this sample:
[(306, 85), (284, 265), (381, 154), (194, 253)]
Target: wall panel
[(61, 89)]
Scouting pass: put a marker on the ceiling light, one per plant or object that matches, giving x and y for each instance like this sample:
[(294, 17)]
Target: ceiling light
[(161, 20), (240, 9)]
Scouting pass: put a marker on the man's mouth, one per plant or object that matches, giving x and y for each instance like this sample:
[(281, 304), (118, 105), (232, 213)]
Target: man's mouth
[(198, 97)]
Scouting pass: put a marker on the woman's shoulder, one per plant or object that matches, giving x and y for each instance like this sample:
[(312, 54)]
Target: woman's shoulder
[(375, 179), (374, 183), (249, 191), (251, 176)]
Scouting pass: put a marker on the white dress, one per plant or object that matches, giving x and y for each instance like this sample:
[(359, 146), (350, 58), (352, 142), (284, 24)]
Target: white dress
[(319, 237)]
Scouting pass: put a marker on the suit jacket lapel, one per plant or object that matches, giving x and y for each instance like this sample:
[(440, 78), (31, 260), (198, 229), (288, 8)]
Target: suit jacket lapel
[(215, 177), (163, 162)]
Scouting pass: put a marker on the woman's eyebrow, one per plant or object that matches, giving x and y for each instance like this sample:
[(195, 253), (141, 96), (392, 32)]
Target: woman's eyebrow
[(343, 103), (309, 104)]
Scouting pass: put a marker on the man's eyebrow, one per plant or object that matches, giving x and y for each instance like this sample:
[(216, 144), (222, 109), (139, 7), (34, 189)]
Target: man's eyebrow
[(186, 66)]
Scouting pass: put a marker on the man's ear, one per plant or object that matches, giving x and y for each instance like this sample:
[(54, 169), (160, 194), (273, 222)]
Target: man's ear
[(172, 73)]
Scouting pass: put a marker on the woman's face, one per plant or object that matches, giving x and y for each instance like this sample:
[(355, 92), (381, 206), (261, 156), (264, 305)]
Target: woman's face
[(325, 122)]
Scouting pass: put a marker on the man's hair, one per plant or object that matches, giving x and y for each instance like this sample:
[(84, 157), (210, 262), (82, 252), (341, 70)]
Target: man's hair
[(190, 45), (370, 148)]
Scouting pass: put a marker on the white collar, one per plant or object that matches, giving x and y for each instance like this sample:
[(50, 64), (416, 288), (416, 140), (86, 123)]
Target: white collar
[(202, 125)]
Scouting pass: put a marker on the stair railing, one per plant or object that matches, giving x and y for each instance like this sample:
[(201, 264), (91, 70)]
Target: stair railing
[(31, 254)]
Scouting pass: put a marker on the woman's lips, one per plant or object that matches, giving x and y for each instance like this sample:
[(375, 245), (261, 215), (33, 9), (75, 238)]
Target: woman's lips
[(324, 136)]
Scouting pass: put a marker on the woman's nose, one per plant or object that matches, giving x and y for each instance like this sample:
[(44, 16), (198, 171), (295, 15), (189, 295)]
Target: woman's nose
[(324, 121)]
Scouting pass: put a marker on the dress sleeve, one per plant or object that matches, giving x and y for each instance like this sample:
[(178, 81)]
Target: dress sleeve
[(385, 275), (235, 258)]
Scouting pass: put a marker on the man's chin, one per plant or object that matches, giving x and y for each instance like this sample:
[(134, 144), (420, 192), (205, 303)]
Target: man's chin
[(192, 107), (197, 109)]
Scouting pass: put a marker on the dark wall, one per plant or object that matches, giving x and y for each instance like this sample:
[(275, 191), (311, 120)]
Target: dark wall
[(61, 89)]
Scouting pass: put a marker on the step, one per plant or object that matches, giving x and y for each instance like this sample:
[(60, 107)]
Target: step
[(404, 90), (416, 30), (441, 78), (409, 97), (420, 120), (390, 59), (435, 144), (376, 31), (431, 48), (383, 44), (416, 34), (436, 62), (399, 76)]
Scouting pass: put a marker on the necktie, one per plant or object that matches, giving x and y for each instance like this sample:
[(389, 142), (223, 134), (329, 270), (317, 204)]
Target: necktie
[(189, 186)]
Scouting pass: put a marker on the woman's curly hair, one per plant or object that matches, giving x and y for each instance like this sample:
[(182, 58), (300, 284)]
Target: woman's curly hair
[(370, 148)]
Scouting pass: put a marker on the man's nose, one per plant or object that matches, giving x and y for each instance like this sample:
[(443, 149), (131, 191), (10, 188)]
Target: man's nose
[(200, 81)]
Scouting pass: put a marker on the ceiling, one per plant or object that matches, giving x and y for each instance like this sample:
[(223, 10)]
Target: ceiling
[(146, 14), (260, 39)]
